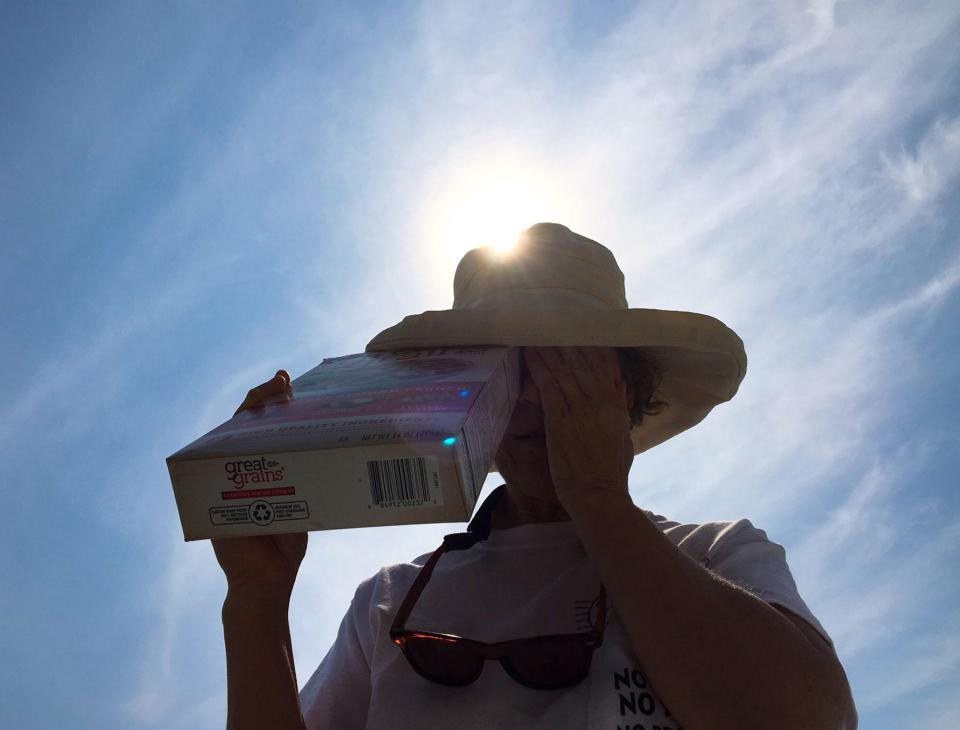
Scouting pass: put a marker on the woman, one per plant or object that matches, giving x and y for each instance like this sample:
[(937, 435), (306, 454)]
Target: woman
[(602, 614)]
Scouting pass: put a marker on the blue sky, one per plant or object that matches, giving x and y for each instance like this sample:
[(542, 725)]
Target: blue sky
[(194, 195)]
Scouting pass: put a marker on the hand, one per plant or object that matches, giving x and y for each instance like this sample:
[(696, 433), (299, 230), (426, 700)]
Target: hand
[(265, 565), (279, 384), (261, 565), (586, 418)]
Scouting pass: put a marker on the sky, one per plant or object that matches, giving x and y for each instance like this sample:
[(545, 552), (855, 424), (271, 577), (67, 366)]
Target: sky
[(193, 195)]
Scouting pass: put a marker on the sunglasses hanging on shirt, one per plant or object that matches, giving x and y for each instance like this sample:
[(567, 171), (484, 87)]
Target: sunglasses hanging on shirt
[(546, 662)]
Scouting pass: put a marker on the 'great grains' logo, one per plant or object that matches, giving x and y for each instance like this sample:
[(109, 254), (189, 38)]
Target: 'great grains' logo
[(253, 471)]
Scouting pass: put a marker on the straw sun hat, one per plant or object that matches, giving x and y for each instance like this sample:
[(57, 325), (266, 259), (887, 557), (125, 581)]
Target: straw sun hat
[(558, 288)]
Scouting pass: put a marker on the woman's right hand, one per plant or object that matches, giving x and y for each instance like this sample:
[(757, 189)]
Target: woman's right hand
[(262, 565)]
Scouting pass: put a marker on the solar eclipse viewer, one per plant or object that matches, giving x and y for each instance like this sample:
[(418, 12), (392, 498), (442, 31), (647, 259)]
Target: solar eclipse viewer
[(379, 438)]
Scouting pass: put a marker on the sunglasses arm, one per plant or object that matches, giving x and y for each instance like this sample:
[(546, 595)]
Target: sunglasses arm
[(461, 541), (456, 541)]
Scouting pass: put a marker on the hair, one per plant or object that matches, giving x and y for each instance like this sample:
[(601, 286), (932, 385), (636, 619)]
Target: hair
[(643, 373)]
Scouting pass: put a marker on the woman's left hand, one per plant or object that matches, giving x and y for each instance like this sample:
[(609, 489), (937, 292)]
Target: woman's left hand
[(586, 418)]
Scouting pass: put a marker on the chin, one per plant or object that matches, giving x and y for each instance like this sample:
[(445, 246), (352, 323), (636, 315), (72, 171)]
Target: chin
[(523, 450), (521, 458)]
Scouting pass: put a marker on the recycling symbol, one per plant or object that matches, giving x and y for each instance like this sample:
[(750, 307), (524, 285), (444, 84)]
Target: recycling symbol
[(261, 512)]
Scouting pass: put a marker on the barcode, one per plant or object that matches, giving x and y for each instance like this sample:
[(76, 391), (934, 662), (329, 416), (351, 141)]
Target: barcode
[(399, 480)]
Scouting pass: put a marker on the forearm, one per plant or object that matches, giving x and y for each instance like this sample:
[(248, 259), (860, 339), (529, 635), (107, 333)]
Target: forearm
[(718, 656), (261, 675)]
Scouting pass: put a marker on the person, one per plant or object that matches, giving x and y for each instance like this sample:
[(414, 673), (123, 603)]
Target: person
[(563, 605)]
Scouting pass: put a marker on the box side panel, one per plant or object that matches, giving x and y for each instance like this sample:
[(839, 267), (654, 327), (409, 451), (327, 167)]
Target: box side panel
[(487, 421), (182, 505), (469, 489), (303, 491)]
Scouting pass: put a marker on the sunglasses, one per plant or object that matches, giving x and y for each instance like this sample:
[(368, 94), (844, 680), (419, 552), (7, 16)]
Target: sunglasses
[(546, 662)]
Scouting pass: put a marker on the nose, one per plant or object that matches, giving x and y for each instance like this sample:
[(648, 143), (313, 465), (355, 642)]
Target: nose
[(529, 393)]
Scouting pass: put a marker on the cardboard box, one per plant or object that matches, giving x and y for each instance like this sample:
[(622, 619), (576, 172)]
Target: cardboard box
[(379, 438)]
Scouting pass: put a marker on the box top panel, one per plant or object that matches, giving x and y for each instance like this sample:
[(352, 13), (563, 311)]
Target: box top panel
[(407, 395)]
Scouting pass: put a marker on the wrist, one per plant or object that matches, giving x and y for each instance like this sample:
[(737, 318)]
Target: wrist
[(595, 497), (244, 605)]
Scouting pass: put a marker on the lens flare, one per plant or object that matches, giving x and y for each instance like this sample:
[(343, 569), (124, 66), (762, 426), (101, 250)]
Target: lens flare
[(488, 200)]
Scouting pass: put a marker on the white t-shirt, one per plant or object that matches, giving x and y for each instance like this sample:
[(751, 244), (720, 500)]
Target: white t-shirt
[(524, 581)]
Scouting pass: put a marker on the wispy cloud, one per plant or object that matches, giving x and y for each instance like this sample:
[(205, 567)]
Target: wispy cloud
[(775, 166), (933, 661), (855, 563), (182, 593), (749, 174), (933, 167)]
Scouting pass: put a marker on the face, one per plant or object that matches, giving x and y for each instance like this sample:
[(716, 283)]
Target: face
[(526, 423), (522, 457)]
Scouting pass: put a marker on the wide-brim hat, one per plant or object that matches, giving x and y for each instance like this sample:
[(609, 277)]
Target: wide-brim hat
[(558, 288)]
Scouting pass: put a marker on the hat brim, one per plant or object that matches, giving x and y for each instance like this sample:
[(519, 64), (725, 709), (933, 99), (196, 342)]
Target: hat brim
[(703, 361)]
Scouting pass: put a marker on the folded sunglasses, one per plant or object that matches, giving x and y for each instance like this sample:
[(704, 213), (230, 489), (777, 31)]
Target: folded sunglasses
[(547, 662)]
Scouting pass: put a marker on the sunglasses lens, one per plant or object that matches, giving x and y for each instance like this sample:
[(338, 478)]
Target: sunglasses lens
[(445, 662), (550, 663)]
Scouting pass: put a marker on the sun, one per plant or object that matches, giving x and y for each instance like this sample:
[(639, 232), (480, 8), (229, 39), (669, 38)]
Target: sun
[(490, 205), (492, 215)]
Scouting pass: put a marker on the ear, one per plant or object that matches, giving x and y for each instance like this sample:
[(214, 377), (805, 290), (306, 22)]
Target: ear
[(628, 455)]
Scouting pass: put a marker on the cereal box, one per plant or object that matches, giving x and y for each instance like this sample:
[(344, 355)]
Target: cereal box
[(375, 438)]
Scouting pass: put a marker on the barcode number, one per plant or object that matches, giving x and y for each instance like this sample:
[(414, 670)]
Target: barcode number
[(399, 482)]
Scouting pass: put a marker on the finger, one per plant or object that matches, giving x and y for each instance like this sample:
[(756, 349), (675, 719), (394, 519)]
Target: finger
[(551, 394), (606, 384), (588, 371), (604, 358), (560, 362), (279, 384), (603, 364)]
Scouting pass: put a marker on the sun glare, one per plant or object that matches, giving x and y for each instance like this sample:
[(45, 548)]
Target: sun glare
[(490, 216), (491, 207)]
